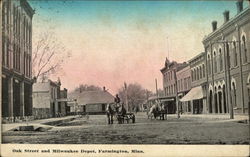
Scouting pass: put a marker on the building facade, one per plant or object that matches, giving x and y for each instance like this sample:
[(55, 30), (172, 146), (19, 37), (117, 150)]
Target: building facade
[(92, 102), (16, 59), (183, 87), (170, 82), (46, 96), (64, 108), (198, 82), (227, 51)]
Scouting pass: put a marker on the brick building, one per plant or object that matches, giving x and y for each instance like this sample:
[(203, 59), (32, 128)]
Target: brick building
[(170, 81), (45, 99), (227, 51), (16, 58), (183, 87), (197, 95)]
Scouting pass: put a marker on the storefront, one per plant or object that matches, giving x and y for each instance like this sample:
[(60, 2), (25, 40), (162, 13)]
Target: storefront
[(196, 98)]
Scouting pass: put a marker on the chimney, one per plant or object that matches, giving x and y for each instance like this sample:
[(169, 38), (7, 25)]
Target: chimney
[(226, 16), (239, 5), (214, 25), (104, 88)]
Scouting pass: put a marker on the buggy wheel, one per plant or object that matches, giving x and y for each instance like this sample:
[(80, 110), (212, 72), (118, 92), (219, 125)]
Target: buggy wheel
[(133, 119)]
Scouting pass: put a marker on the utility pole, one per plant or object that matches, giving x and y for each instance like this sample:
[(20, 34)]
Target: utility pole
[(126, 95), (228, 75), (156, 88), (1, 39), (231, 111), (176, 94)]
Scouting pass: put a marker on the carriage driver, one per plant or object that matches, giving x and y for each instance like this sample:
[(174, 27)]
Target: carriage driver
[(117, 102)]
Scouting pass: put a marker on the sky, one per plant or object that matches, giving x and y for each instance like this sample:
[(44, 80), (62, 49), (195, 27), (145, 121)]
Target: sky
[(112, 42)]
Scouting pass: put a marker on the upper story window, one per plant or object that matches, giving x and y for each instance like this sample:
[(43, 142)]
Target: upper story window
[(215, 62), (244, 49), (203, 68), (228, 55), (200, 72), (197, 73), (209, 64), (221, 60), (235, 54), (194, 74)]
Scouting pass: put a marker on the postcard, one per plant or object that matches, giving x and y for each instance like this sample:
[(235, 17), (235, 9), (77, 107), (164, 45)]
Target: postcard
[(124, 78)]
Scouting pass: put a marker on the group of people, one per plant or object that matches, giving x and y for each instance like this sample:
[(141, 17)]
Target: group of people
[(117, 108)]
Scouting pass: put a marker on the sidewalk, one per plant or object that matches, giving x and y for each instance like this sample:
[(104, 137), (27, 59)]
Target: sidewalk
[(220, 117), (37, 123)]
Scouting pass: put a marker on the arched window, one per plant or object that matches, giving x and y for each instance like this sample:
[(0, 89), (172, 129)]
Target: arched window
[(203, 68), (197, 73), (234, 95), (194, 74), (244, 49), (221, 60), (215, 62), (200, 72), (228, 55), (209, 64), (235, 54)]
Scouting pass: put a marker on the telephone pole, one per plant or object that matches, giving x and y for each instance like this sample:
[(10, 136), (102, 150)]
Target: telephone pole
[(126, 95), (156, 88)]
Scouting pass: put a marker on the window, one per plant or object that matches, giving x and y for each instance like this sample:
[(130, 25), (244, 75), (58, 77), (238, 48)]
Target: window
[(234, 95), (197, 73), (181, 84), (200, 72), (228, 54), (221, 61), (174, 88), (203, 68), (244, 49), (192, 75), (235, 54), (215, 62), (209, 65)]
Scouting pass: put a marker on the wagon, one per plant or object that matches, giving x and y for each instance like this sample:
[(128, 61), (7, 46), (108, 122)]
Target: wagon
[(126, 117)]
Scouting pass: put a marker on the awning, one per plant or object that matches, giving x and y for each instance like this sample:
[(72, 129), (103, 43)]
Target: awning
[(194, 94)]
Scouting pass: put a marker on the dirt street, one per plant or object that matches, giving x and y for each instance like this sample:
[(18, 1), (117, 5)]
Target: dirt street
[(95, 130)]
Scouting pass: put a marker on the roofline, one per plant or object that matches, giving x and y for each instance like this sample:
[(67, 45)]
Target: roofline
[(224, 25), (195, 57)]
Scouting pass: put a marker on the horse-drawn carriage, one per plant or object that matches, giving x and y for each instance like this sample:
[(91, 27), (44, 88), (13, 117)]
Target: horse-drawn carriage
[(121, 118), (158, 110), (120, 113)]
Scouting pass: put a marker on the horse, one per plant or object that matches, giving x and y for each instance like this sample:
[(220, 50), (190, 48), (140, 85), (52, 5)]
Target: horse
[(121, 112), (110, 113), (157, 111)]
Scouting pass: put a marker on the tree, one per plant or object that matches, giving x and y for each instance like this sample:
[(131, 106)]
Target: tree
[(136, 95), (48, 55), (85, 87)]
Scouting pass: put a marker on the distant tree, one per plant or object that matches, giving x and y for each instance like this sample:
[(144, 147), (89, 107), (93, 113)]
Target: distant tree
[(85, 87), (136, 95)]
